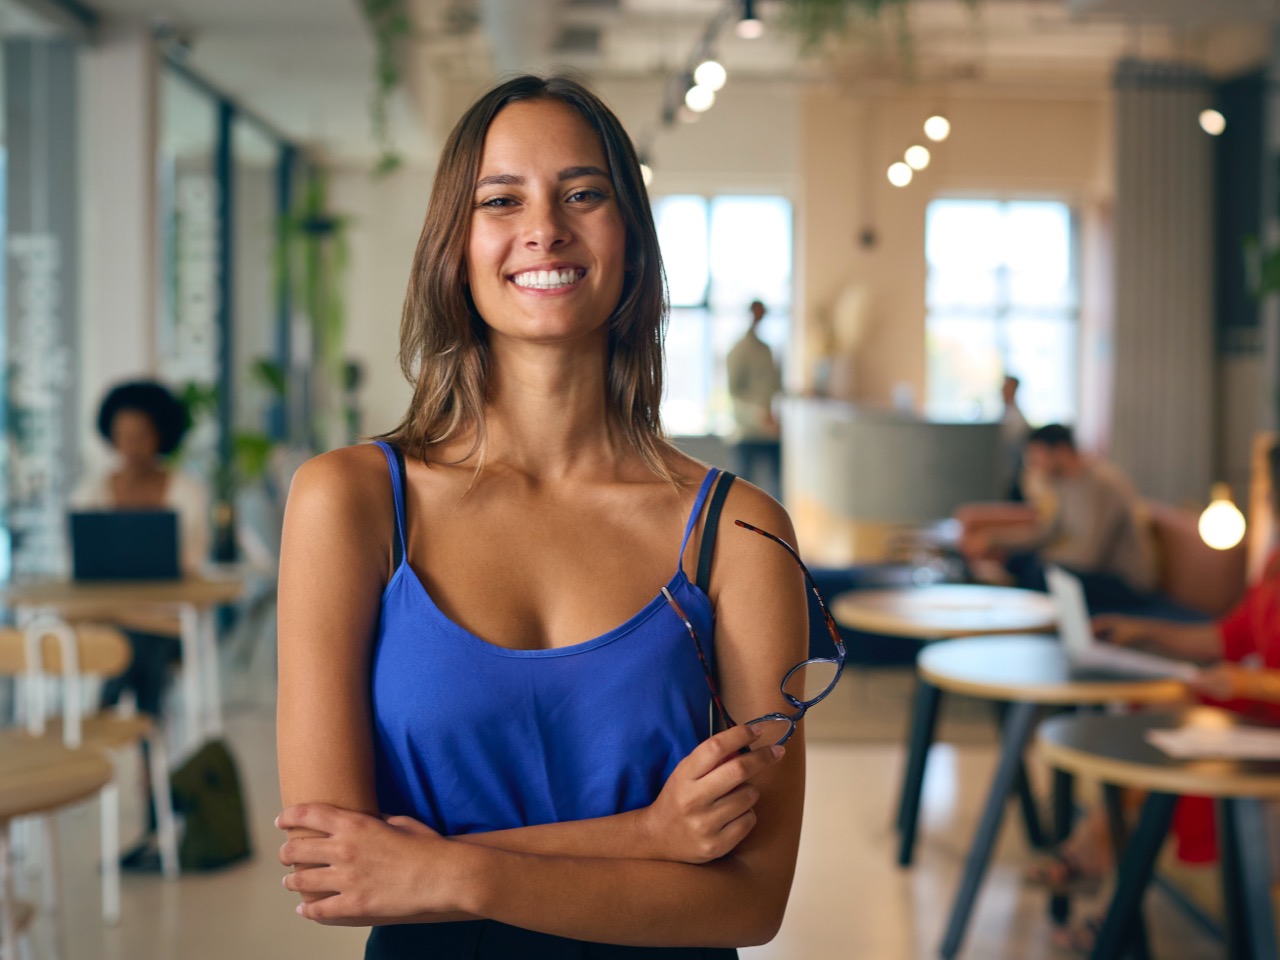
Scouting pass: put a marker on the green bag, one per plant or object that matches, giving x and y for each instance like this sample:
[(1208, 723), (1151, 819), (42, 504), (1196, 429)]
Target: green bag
[(206, 791)]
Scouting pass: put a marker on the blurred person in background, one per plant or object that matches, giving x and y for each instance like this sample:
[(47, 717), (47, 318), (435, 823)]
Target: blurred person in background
[(1090, 524), (1014, 431), (144, 423), (754, 384)]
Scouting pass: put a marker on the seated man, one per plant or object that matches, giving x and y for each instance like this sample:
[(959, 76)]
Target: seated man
[(1089, 524)]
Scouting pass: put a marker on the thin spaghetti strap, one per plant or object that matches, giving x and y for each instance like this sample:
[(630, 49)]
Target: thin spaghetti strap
[(693, 514), (395, 462)]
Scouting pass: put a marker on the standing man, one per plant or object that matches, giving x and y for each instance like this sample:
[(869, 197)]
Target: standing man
[(1014, 431), (754, 381)]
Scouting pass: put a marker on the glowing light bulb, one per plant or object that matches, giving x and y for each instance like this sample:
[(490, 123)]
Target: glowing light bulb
[(917, 157), (751, 29), (937, 128), (710, 74), (1222, 524), (699, 99), (899, 174), (1212, 122)]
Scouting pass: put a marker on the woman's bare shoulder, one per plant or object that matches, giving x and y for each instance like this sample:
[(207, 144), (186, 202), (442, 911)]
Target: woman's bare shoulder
[(350, 484)]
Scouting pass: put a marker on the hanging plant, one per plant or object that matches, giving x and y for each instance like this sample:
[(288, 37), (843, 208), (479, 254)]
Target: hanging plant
[(389, 23), (818, 21)]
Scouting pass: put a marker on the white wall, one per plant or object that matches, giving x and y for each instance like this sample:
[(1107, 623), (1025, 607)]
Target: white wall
[(385, 219)]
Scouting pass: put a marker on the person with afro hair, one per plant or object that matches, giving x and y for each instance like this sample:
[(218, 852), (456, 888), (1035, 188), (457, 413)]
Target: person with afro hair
[(144, 424)]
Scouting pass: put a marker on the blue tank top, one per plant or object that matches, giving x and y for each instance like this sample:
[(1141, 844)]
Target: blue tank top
[(471, 737)]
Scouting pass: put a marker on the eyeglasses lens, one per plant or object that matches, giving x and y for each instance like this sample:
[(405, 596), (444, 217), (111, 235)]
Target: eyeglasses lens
[(810, 681)]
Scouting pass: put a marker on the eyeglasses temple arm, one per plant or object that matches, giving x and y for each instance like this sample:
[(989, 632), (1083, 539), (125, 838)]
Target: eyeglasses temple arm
[(725, 720)]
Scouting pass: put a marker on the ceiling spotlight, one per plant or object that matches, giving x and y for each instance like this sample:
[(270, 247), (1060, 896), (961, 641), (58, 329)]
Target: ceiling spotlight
[(750, 26), (710, 74), (1212, 122), (899, 174), (937, 128), (685, 115), (917, 157), (699, 99), (646, 173)]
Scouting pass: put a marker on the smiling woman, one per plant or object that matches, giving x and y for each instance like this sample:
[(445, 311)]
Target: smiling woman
[(494, 731)]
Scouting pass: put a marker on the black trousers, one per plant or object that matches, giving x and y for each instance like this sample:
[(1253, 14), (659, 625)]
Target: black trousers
[(490, 940), (147, 673)]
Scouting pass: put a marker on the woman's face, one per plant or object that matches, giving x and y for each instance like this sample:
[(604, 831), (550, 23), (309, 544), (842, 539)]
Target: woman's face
[(546, 253), (135, 436)]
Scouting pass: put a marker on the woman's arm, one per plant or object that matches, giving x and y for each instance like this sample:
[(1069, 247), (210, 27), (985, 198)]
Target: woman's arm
[(1198, 642), (334, 555), (398, 869)]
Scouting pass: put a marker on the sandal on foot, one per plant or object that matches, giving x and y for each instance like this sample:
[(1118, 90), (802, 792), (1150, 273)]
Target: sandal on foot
[(1080, 937), (1060, 872)]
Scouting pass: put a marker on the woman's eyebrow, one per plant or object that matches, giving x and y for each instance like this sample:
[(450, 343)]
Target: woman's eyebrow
[(514, 180)]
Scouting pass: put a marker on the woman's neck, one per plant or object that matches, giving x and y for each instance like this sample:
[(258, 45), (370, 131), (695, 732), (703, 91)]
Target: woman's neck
[(547, 414)]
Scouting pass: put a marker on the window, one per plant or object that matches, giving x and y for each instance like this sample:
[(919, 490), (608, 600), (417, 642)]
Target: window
[(1002, 297), (720, 253)]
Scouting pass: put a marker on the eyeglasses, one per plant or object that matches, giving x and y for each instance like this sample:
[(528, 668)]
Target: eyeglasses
[(820, 673)]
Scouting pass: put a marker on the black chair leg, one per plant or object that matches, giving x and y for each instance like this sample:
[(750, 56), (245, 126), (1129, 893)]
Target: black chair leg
[(1246, 880), (924, 721), (1113, 799), (1019, 725), (1134, 875), (1063, 821)]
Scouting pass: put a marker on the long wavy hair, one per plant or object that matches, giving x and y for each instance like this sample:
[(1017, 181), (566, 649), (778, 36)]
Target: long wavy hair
[(444, 345)]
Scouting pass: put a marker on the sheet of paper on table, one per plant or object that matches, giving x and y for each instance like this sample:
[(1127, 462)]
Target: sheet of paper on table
[(1232, 743)]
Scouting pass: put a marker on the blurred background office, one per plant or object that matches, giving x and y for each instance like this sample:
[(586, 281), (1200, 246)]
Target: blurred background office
[(936, 203)]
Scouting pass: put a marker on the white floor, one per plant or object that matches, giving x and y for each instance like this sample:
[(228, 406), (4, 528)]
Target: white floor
[(849, 898)]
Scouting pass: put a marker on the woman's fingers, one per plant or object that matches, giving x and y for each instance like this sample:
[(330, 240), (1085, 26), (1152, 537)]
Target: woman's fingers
[(306, 851), (714, 751), (735, 803), (322, 817), (311, 880), (740, 769)]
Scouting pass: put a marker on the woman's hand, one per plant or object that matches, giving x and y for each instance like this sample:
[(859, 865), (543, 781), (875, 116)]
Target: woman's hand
[(366, 868), (705, 808), (1123, 631), (1222, 681)]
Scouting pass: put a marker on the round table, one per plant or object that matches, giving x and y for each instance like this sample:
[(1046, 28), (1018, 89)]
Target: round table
[(1027, 673), (1115, 750), (37, 775), (944, 611)]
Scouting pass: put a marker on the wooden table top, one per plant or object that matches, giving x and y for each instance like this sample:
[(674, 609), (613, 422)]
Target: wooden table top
[(1032, 669), (1114, 749), (946, 610), (86, 597), (39, 774)]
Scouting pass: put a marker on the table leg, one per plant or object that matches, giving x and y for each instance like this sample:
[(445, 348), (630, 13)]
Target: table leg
[(212, 674), (1063, 820), (1113, 800), (1018, 727), (8, 922), (1134, 874), (1026, 796), (924, 721), (1246, 880), (192, 667)]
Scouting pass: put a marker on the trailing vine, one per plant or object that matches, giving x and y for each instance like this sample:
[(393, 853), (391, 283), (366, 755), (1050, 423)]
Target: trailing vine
[(389, 23), (816, 21)]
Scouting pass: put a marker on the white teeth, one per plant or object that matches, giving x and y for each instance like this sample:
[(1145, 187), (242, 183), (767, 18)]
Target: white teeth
[(547, 279)]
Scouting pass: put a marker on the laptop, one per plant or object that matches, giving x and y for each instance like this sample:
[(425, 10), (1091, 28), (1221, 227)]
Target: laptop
[(124, 545), (1087, 653)]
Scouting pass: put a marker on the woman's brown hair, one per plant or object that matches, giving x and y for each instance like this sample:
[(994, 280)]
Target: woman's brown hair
[(444, 349)]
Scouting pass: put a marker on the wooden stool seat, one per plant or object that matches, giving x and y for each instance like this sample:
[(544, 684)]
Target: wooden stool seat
[(107, 731), (38, 774)]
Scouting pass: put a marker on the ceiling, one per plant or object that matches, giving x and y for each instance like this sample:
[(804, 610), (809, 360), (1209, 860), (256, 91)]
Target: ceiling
[(306, 66)]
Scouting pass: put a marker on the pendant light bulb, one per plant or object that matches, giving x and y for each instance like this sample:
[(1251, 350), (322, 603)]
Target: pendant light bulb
[(1222, 524)]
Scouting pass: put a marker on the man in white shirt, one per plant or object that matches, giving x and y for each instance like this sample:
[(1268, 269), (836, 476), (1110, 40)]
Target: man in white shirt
[(1014, 430), (754, 381)]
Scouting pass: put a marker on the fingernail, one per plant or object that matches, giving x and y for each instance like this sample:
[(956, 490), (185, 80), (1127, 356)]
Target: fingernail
[(277, 821), (778, 750), (298, 909), (754, 728)]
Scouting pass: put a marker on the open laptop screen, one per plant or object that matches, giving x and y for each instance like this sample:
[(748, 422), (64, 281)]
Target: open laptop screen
[(124, 545)]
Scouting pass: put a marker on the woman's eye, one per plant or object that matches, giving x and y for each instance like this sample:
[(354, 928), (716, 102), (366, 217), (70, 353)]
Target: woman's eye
[(496, 202), (586, 196)]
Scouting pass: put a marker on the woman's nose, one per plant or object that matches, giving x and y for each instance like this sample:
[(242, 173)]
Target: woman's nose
[(546, 227)]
